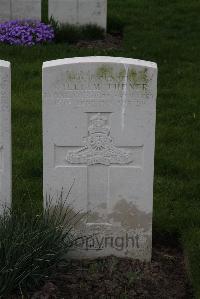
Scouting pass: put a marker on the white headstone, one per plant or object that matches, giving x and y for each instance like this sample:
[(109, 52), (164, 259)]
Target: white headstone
[(26, 9), (5, 135), (79, 12), (5, 10), (99, 131), (20, 9)]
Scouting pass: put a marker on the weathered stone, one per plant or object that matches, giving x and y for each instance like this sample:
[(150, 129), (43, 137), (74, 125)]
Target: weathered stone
[(5, 10), (20, 9), (79, 12), (5, 135), (26, 9), (99, 131)]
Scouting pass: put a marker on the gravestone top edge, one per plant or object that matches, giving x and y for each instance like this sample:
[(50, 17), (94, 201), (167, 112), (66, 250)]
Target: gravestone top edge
[(99, 59), (4, 63)]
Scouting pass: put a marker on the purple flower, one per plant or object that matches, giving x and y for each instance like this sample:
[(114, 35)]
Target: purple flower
[(26, 32)]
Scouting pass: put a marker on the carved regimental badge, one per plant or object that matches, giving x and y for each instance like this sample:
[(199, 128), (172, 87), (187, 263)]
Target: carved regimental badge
[(99, 147)]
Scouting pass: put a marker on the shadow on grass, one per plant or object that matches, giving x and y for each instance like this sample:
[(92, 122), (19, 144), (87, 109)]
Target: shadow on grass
[(74, 33)]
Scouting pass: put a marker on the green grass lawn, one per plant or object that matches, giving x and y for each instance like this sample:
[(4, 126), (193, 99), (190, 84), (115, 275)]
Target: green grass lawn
[(167, 32)]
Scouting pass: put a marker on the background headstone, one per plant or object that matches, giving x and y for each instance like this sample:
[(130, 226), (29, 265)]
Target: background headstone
[(5, 135), (26, 9), (79, 12), (5, 10), (99, 131), (20, 9)]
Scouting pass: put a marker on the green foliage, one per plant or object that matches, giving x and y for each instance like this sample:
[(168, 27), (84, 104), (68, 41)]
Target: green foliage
[(115, 24), (31, 246), (73, 33), (131, 277), (191, 243), (44, 11)]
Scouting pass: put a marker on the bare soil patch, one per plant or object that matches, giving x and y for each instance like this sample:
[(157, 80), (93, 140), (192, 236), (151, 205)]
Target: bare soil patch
[(110, 42), (111, 277)]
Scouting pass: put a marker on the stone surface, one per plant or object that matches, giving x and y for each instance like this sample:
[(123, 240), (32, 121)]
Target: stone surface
[(5, 135), (5, 10), (99, 132), (79, 12), (20, 9), (26, 9)]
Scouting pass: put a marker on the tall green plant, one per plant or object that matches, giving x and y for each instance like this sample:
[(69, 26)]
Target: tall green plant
[(31, 245), (73, 33)]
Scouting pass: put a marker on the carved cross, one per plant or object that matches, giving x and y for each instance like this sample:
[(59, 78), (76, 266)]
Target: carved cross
[(99, 154)]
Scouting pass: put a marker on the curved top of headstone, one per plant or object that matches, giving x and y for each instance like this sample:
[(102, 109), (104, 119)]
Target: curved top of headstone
[(99, 59), (4, 63)]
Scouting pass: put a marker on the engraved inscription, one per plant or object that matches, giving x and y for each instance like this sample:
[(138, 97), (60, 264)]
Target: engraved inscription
[(99, 147), (104, 88)]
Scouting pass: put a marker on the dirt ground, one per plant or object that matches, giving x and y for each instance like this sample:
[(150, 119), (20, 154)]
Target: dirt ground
[(110, 42), (113, 277)]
